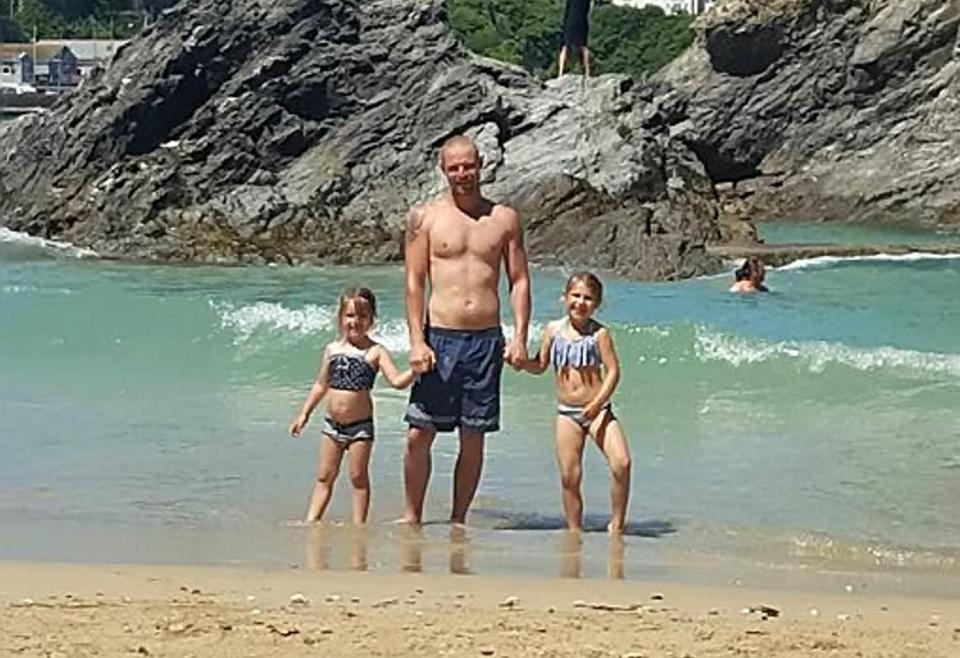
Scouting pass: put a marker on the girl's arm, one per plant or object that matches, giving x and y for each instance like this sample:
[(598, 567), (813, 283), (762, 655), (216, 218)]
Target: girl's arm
[(611, 374), (539, 364), (391, 373), (320, 387)]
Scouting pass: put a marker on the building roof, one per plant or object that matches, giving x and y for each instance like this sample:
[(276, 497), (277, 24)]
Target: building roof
[(91, 49)]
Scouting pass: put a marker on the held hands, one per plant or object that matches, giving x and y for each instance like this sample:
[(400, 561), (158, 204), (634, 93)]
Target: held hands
[(422, 359), (297, 425), (515, 354)]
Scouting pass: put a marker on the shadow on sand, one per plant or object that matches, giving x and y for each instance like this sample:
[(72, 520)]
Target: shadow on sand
[(652, 528)]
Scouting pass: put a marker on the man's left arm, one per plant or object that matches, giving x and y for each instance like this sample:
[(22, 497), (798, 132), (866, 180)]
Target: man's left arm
[(518, 275)]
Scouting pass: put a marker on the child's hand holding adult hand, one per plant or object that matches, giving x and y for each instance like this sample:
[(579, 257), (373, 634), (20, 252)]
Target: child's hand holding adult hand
[(515, 354)]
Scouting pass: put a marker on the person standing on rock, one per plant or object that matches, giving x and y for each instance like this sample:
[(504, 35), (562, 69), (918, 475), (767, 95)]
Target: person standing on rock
[(576, 27), (457, 243)]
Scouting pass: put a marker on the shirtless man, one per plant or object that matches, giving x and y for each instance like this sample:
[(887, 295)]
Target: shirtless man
[(458, 242)]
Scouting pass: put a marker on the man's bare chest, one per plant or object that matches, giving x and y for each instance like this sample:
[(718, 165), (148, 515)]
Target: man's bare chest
[(452, 238)]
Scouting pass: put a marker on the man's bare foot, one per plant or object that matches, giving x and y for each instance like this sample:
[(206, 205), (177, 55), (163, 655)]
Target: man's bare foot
[(615, 529)]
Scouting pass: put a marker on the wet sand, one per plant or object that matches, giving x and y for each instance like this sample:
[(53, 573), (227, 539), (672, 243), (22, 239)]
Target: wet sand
[(84, 610)]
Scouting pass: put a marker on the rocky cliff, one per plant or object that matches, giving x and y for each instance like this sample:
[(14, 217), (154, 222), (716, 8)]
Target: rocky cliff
[(827, 109), (303, 130)]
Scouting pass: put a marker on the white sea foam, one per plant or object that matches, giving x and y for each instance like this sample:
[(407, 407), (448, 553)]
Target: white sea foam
[(310, 320), (21, 290), (829, 261), (246, 320), (816, 356), (42, 244)]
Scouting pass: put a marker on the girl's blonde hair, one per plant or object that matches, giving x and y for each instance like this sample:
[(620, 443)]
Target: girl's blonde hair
[(363, 300), (590, 280)]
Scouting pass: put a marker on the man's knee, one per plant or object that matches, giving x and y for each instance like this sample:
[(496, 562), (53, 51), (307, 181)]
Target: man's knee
[(419, 440), (471, 442)]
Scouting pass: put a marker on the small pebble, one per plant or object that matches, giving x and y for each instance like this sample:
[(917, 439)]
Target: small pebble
[(849, 588), (713, 612), (298, 599), (487, 651), (255, 611), (656, 596), (843, 617), (814, 612), (251, 597), (510, 602), (332, 598), (354, 599)]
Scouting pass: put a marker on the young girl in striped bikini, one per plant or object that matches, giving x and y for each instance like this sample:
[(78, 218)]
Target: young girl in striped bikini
[(347, 371), (586, 374)]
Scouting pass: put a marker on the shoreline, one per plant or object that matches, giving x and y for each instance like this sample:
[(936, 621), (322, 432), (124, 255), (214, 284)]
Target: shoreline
[(69, 609)]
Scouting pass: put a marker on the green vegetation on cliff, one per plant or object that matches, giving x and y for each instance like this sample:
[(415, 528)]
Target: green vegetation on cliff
[(52, 19), (529, 32)]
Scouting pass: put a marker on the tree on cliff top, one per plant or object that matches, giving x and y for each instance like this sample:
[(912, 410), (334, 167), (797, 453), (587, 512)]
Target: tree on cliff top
[(528, 32)]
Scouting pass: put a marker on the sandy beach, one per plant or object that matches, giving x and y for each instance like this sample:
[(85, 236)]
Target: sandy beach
[(86, 610)]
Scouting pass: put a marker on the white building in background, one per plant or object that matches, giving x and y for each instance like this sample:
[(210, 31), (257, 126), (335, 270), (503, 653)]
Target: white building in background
[(670, 6)]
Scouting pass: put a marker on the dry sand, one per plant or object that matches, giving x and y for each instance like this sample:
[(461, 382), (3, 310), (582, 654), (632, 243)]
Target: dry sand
[(84, 610)]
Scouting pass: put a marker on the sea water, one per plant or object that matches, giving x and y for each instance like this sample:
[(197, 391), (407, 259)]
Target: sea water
[(144, 413)]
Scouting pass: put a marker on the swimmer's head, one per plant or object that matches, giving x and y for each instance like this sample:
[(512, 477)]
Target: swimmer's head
[(460, 163), (742, 273), (582, 295), (356, 312)]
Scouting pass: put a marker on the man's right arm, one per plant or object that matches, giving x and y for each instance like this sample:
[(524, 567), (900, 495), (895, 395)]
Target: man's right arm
[(416, 265)]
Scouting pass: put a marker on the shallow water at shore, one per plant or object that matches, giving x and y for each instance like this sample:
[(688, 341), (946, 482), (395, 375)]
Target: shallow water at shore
[(143, 413)]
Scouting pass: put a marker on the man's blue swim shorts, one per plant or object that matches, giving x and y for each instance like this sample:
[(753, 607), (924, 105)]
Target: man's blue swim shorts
[(463, 389)]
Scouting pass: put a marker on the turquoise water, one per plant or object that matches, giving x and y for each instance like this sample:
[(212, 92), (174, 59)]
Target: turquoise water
[(143, 415), (834, 233)]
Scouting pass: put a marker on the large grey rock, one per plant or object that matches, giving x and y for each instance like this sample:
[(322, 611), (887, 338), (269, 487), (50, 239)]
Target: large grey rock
[(827, 109), (303, 131)]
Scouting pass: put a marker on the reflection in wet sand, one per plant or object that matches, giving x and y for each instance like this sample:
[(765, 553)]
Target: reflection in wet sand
[(453, 548), (571, 556), (324, 540)]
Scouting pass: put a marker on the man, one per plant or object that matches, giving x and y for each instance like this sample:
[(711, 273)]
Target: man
[(576, 29), (458, 242)]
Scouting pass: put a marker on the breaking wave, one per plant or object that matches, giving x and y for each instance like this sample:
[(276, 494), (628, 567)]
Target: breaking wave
[(22, 245)]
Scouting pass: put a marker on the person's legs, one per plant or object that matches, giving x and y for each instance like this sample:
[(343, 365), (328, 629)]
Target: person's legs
[(328, 467), (570, 439), (562, 61), (359, 465), (480, 367), (416, 471), (610, 439), (585, 60), (466, 476)]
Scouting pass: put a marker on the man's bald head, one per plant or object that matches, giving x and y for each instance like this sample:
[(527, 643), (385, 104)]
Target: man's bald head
[(459, 144)]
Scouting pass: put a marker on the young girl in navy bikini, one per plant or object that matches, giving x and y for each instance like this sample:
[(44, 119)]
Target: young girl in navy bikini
[(347, 372), (586, 373)]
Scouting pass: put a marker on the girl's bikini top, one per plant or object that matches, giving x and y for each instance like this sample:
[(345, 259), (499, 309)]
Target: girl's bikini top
[(577, 353), (351, 372)]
